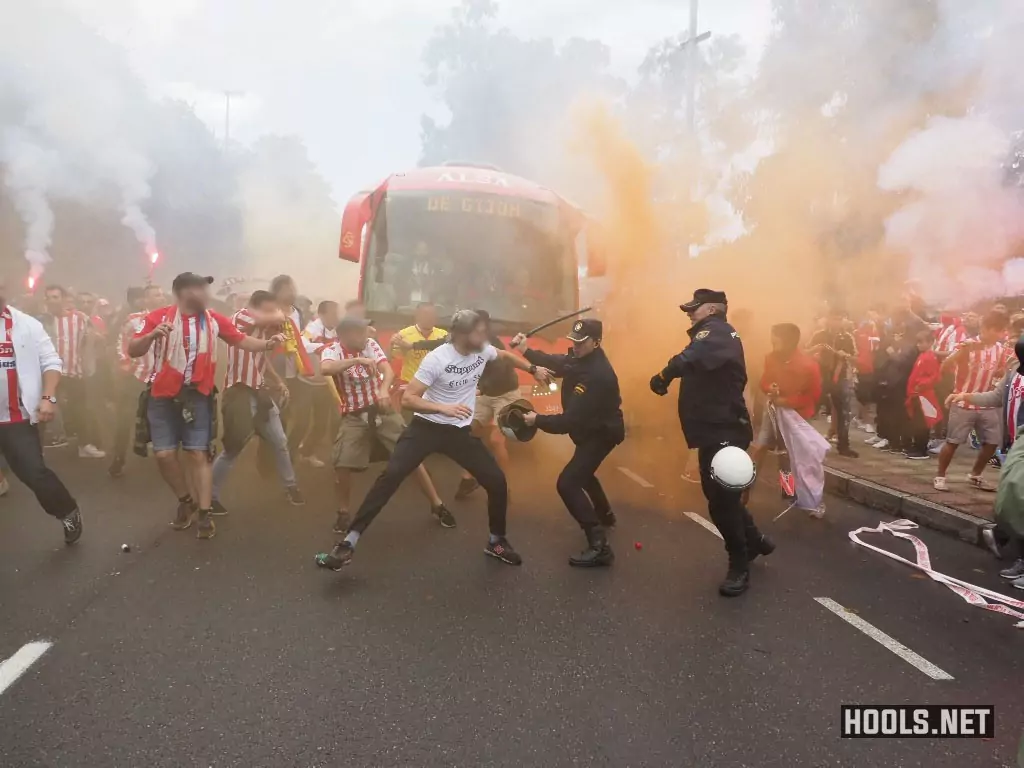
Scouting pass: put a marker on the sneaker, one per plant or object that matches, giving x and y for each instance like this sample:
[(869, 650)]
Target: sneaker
[(205, 528), (217, 509), (873, 439), (342, 520), (503, 551), (939, 484), (5, 486), (918, 456), (735, 584), (116, 469), (1015, 571), (1018, 583), (313, 461), (72, 527), (818, 513), (976, 481), (848, 453), (935, 450), (466, 486), (996, 461), (443, 515), (57, 442), (337, 558), (295, 497), (183, 517), (91, 452), (881, 444), (869, 428)]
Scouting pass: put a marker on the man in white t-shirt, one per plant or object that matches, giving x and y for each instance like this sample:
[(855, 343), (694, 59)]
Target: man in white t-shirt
[(442, 394)]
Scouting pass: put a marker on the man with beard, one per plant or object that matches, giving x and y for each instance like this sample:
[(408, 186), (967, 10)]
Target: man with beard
[(133, 372), (181, 405), (713, 415), (30, 370), (442, 397), (592, 417)]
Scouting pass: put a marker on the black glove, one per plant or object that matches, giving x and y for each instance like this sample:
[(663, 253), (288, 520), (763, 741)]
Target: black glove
[(659, 385)]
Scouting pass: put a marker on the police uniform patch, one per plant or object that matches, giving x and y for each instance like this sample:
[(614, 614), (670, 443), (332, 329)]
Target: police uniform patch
[(579, 389), (702, 335)]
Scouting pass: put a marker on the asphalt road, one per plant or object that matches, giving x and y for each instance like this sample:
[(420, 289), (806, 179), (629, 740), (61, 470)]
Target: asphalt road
[(240, 652)]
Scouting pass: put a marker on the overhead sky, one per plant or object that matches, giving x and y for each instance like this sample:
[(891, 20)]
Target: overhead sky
[(346, 75)]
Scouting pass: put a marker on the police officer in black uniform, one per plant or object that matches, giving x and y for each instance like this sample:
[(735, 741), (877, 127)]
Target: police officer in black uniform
[(713, 415), (592, 417)]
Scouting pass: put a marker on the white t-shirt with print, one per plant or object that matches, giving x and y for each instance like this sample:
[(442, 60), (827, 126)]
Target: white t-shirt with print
[(451, 380)]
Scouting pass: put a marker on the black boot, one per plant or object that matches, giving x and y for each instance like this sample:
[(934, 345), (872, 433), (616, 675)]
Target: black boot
[(736, 582), (597, 553)]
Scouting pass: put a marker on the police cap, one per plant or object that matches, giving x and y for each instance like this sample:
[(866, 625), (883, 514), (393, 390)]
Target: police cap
[(585, 329), (703, 296)]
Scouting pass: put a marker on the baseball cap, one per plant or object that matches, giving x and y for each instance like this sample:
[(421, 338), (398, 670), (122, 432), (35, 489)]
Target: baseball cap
[(189, 280), (704, 296), (586, 329)]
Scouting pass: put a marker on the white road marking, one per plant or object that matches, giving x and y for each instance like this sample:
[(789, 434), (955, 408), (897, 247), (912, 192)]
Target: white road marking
[(14, 667), (703, 522), (880, 637), (635, 477)]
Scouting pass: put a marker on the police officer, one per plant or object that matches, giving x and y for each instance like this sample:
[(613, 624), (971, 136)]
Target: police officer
[(713, 414), (592, 417)]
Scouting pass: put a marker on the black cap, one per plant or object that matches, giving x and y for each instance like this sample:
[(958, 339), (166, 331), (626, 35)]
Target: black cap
[(586, 329), (189, 280), (704, 296)]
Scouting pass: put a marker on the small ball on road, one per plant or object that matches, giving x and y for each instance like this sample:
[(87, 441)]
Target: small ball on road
[(638, 545), (125, 548)]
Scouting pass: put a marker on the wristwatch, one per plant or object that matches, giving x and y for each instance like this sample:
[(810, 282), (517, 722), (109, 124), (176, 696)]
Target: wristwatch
[(533, 370), (50, 398)]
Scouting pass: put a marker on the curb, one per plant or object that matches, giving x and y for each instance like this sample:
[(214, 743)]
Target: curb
[(904, 505)]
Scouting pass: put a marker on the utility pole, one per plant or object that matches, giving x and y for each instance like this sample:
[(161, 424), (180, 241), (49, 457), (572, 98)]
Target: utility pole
[(691, 67), (227, 114)]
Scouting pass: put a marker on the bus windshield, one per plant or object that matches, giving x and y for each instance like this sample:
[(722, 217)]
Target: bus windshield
[(510, 256)]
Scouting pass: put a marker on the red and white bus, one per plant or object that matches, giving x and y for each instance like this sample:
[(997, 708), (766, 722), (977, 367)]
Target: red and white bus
[(470, 237)]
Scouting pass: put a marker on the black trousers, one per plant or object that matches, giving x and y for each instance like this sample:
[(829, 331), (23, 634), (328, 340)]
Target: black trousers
[(22, 447), (421, 439), (79, 414), (126, 406), (838, 393), (915, 430), (578, 486), (892, 416), (728, 512)]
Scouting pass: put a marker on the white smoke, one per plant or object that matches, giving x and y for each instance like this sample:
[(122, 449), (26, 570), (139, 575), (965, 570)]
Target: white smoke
[(74, 129), (962, 225)]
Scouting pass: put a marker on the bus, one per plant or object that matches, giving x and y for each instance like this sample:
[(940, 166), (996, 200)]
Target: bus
[(466, 236)]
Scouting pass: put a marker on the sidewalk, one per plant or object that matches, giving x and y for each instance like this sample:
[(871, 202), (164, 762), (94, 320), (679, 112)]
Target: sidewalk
[(903, 488)]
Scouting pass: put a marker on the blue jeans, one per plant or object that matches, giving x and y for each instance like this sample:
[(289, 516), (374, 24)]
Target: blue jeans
[(168, 428), (270, 430)]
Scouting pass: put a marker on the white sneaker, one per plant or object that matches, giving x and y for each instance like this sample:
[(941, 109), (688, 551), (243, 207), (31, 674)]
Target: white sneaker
[(869, 428), (818, 513), (881, 444), (5, 486), (939, 484), (91, 452), (976, 481), (313, 461), (873, 439)]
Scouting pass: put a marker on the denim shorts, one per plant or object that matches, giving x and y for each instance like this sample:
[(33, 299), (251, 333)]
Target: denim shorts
[(168, 429)]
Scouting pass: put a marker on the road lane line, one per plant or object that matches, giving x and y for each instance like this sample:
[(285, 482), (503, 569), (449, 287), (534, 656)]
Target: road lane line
[(14, 667), (880, 637), (703, 522), (635, 477)]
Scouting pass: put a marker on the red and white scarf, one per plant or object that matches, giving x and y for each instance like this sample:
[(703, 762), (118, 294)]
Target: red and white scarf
[(172, 359)]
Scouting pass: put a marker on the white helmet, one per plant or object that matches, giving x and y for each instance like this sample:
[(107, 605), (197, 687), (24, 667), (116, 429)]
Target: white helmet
[(732, 468)]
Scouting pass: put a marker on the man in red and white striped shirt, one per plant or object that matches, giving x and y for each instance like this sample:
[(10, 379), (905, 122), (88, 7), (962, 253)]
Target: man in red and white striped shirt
[(70, 333), (363, 377), (133, 373), (979, 364), (247, 405)]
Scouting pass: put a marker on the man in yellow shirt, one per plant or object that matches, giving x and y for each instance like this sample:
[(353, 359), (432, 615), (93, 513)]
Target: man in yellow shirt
[(403, 343)]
